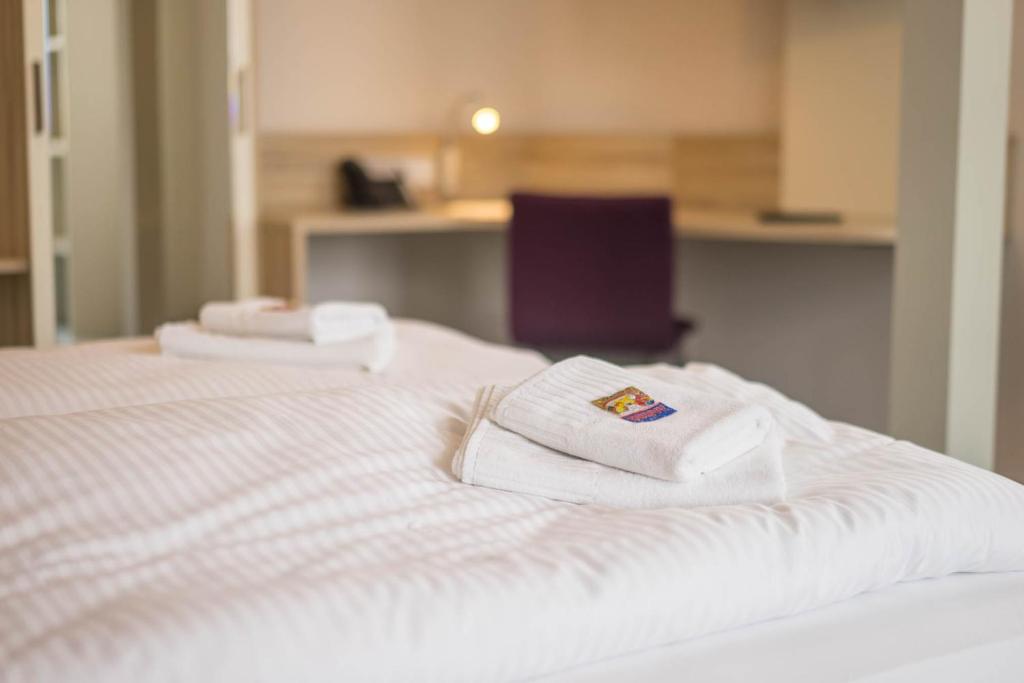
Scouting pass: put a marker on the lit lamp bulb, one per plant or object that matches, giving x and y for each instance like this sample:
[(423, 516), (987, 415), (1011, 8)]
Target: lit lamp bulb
[(486, 120)]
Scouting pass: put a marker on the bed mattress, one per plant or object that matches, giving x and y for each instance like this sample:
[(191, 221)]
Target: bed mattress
[(276, 530)]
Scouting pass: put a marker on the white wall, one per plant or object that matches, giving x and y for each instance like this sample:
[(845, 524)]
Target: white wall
[(840, 105), (548, 65)]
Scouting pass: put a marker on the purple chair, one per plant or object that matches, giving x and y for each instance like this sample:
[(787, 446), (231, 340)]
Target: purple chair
[(593, 273)]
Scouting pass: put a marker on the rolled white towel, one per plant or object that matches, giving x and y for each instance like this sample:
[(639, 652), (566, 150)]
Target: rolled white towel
[(497, 458), (325, 323), (598, 411), (372, 352)]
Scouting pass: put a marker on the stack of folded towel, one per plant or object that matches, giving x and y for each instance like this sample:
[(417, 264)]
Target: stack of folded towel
[(586, 431), (266, 330)]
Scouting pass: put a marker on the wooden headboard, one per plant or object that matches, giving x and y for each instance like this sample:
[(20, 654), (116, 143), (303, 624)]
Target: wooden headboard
[(298, 172)]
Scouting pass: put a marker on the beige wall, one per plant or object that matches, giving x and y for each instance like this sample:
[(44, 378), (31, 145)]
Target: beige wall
[(1010, 433), (99, 195), (181, 154), (184, 175), (216, 263), (239, 68), (548, 65), (196, 171), (840, 104), (943, 388), (180, 83)]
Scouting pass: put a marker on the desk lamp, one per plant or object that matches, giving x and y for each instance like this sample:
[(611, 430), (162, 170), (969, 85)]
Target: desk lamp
[(484, 120)]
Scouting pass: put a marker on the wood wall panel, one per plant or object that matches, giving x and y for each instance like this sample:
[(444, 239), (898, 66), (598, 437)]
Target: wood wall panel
[(298, 173), (730, 172), (495, 166)]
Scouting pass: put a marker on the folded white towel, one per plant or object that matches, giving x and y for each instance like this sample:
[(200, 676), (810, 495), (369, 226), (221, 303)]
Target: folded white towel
[(326, 323), (598, 411), (188, 340), (497, 458)]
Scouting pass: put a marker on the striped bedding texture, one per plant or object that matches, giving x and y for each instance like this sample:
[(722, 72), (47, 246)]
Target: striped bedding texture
[(132, 372), (318, 535)]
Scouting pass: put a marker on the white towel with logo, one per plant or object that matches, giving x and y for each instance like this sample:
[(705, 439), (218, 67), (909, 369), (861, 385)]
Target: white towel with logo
[(371, 352), (600, 412), (497, 458), (325, 323)]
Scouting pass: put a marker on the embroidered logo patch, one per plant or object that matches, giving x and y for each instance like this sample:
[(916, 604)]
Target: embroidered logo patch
[(633, 405)]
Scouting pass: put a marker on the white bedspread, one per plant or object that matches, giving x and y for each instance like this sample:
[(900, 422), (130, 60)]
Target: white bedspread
[(319, 536), (132, 372), (962, 628)]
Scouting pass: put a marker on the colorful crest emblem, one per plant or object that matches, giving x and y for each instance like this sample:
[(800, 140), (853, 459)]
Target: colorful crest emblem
[(633, 405)]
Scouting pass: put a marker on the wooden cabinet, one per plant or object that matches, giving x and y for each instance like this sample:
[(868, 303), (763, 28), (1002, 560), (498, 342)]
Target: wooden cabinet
[(126, 164), (26, 253)]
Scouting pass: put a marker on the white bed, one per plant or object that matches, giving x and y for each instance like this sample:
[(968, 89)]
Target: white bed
[(175, 520), (125, 372), (960, 628)]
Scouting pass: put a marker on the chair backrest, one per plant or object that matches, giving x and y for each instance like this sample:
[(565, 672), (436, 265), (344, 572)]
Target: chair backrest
[(591, 272)]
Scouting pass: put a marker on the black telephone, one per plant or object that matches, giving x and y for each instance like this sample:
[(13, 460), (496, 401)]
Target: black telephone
[(364, 192)]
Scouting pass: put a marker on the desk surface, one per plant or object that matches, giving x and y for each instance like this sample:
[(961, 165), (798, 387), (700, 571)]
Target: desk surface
[(489, 215), (285, 245)]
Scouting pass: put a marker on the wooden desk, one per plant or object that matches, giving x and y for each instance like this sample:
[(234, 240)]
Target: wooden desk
[(288, 240)]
